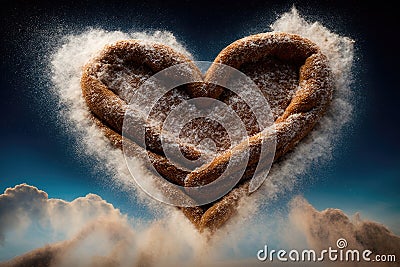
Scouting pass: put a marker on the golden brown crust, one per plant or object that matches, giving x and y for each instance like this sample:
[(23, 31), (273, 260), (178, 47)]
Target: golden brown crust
[(108, 105), (160, 163), (306, 90), (307, 105)]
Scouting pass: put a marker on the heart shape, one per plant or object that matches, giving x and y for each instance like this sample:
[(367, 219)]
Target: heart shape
[(291, 72)]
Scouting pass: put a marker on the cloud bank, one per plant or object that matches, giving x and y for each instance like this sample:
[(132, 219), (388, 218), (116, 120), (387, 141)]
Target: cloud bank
[(24, 204), (97, 234), (323, 228)]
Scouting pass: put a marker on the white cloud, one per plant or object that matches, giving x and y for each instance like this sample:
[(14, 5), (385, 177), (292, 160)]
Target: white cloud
[(27, 202), (97, 234)]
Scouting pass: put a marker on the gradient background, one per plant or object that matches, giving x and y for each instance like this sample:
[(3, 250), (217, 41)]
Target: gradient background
[(36, 148)]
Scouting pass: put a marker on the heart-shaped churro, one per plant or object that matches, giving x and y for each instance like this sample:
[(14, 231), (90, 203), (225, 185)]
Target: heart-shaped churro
[(290, 71)]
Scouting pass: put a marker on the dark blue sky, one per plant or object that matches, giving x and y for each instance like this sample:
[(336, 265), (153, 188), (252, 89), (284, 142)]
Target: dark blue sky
[(37, 149)]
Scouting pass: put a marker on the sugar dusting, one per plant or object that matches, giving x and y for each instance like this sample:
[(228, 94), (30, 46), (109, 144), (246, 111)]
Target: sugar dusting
[(66, 67), (318, 145)]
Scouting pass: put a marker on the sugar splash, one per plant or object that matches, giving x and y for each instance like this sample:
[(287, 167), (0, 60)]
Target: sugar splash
[(76, 50)]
